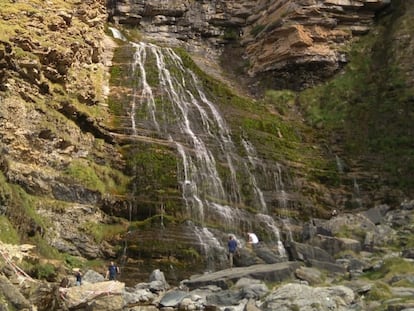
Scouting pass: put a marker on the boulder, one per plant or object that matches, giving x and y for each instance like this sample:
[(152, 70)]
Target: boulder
[(173, 298), (225, 278), (310, 275), (92, 276), (94, 294), (13, 295), (335, 245), (286, 297)]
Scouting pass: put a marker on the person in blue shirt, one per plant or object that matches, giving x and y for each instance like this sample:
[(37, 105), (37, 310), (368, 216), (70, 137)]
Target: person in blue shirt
[(113, 271), (232, 246)]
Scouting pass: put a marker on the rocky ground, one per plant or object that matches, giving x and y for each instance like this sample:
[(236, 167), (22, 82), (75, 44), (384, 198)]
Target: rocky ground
[(362, 261)]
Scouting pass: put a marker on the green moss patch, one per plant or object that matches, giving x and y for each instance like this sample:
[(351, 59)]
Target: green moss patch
[(97, 177), (370, 103), (8, 233), (102, 232), (392, 267)]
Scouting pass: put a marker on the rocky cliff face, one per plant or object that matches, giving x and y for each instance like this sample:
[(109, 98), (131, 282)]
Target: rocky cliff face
[(53, 73), (285, 44)]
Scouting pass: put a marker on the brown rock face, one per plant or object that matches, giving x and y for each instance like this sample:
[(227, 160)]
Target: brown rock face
[(51, 76), (297, 43), (288, 44)]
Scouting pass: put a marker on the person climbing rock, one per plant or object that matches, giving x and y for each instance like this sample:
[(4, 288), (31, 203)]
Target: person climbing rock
[(253, 240)]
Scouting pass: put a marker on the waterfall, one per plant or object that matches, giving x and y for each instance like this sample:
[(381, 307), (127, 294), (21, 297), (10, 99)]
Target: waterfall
[(117, 34), (125, 247), (179, 111), (269, 223), (253, 160), (224, 184), (211, 247), (356, 195), (339, 164), (274, 173)]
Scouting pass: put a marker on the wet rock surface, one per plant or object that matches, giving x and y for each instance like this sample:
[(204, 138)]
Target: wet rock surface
[(340, 283)]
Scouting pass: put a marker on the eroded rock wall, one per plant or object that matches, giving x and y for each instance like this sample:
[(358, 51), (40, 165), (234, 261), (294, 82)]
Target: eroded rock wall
[(53, 81), (288, 44)]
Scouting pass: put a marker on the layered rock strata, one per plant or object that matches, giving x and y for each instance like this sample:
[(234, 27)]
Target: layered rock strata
[(287, 43)]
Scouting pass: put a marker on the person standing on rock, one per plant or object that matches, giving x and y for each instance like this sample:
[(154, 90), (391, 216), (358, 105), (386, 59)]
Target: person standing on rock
[(232, 246), (113, 271), (78, 275)]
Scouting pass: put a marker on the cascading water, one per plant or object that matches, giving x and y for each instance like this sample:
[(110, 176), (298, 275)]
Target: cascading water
[(339, 164), (253, 160), (218, 185), (356, 196), (117, 34), (184, 116)]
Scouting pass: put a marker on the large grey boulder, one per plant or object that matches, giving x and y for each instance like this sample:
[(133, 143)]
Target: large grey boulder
[(13, 295), (305, 298), (92, 276), (137, 295), (225, 278), (376, 214), (306, 252), (173, 298), (225, 298), (335, 245), (158, 283), (310, 275)]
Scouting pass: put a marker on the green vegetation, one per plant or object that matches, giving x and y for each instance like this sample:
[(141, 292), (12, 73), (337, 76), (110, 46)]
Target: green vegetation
[(21, 9), (231, 34), (45, 271), (8, 233), (80, 88), (272, 126), (379, 292), (370, 103), (80, 262), (191, 253), (22, 210), (74, 262), (153, 166), (349, 232), (101, 232), (257, 29), (154, 221), (281, 101), (390, 268), (97, 177)]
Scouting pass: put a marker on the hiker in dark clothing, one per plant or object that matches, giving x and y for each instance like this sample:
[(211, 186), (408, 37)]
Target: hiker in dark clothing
[(113, 271), (232, 246), (78, 275)]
